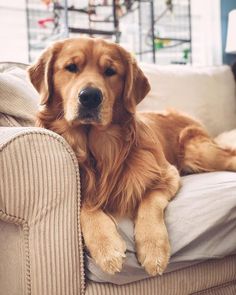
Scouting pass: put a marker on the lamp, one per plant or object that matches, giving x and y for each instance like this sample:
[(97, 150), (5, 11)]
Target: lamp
[(231, 35)]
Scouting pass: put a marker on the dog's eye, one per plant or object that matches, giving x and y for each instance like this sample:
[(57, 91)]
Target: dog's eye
[(72, 68), (110, 72)]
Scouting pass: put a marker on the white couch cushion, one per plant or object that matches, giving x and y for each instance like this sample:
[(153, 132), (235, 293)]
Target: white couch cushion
[(18, 98), (201, 222), (208, 94), (227, 139)]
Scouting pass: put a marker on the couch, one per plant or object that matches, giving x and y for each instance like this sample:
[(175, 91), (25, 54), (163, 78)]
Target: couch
[(41, 247)]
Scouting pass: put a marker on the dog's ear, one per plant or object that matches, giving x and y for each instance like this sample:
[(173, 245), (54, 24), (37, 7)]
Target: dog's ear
[(41, 73), (136, 84)]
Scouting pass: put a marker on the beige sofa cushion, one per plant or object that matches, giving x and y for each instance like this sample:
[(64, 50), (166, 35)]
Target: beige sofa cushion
[(12, 266), (18, 98), (213, 277), (189, 230), (205, 93), (40, 193)]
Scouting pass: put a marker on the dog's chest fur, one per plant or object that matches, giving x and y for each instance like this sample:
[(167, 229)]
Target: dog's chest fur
[(123, 171)]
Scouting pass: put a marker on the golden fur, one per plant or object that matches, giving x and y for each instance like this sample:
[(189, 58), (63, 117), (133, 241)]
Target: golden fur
[(128, 160)]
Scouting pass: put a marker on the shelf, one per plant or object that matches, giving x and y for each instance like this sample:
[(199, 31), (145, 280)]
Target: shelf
[(92, 31), (111, 21)]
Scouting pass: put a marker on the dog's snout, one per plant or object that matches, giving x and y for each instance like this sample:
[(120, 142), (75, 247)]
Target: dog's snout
[(90, 97)]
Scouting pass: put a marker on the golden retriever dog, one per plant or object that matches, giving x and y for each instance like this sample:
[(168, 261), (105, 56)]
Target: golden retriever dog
[(130, 162)]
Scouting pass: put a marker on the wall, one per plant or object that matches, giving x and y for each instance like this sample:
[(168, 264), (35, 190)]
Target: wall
[(13, 33)]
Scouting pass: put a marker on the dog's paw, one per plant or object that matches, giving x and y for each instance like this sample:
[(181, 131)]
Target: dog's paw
[(109, 253), (153, 253)]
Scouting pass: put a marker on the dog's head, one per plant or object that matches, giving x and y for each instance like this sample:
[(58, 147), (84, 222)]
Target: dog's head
[(88, 81)]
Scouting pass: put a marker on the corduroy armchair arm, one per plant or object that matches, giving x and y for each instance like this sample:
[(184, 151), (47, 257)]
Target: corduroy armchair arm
[(40, 191)]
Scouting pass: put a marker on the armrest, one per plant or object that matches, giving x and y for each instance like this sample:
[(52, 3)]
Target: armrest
[(40, 190)]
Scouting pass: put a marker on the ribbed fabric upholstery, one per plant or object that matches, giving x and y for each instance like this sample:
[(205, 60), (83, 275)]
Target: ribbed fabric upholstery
[(12, 266), (224, 289), (40, 191), (216, 277), (8, 121)]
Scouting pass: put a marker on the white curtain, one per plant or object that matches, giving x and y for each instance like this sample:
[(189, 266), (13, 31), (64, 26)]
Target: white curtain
[(206, 32)]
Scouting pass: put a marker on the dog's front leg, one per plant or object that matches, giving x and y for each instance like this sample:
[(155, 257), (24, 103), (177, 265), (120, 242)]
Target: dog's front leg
[(152, 243), (102, 240)]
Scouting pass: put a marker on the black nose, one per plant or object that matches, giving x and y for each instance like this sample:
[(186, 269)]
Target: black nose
[(90, 97)]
